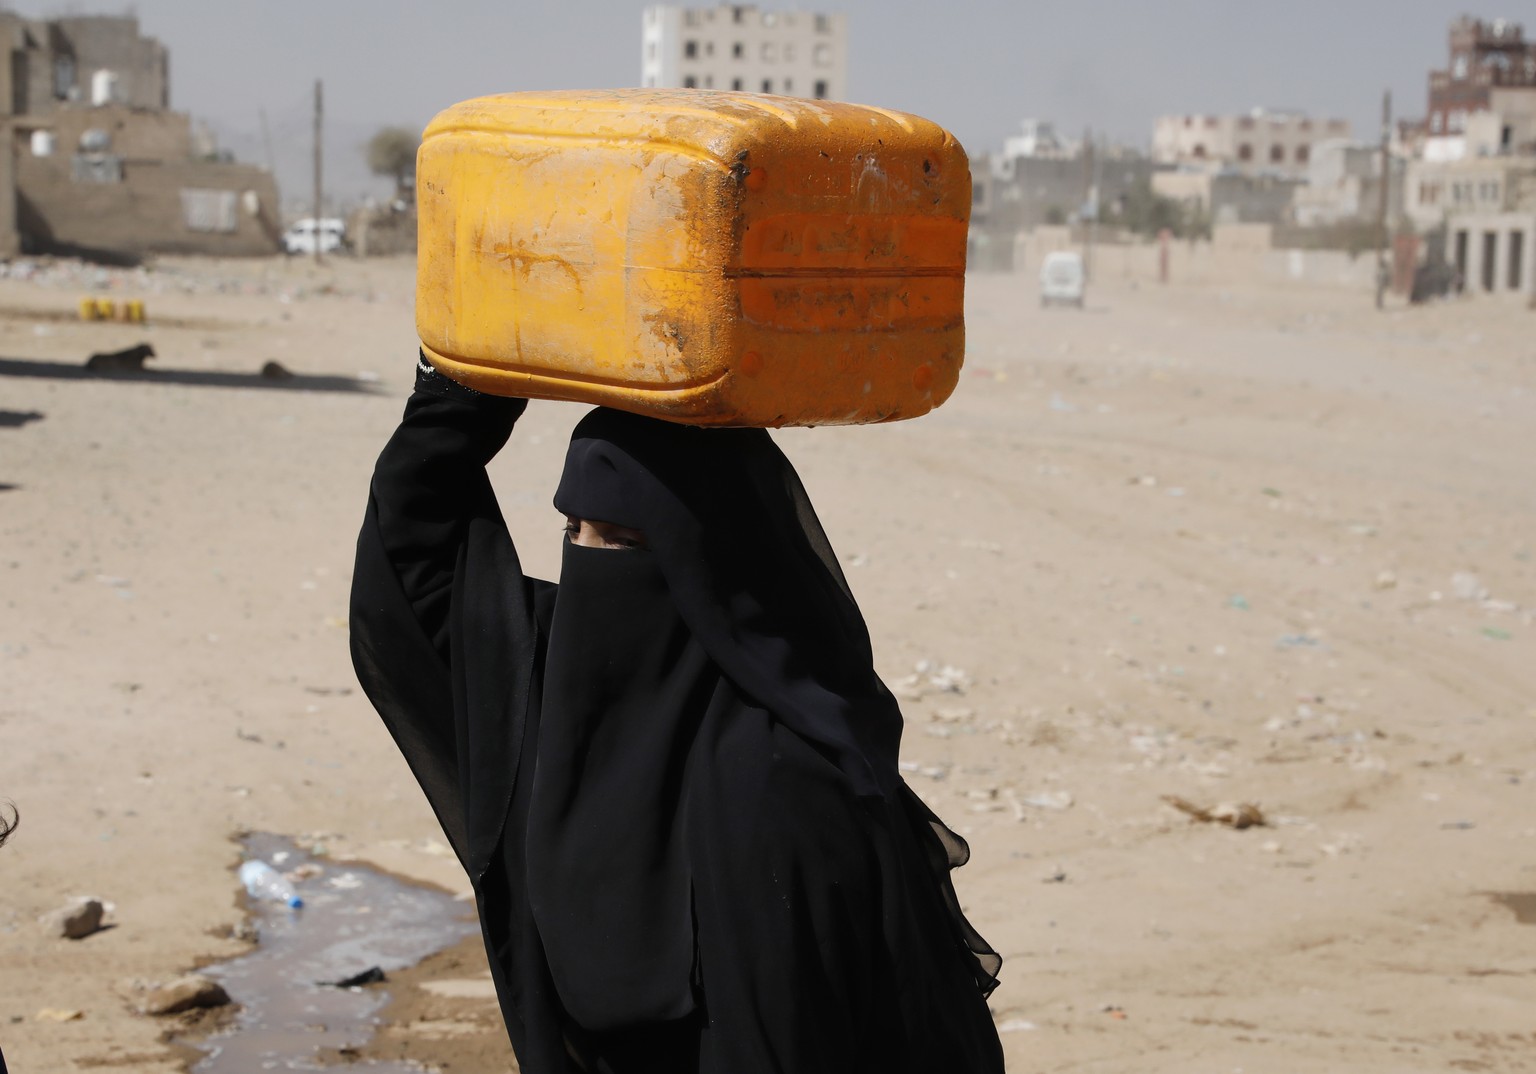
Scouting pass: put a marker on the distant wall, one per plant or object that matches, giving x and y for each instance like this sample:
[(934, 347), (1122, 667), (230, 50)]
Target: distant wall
[(156, 208), (1239, 255)]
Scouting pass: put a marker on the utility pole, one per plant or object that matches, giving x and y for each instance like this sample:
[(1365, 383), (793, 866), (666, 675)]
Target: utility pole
[(1386, 184), (319, 233), (1088, 199), (266, 137)]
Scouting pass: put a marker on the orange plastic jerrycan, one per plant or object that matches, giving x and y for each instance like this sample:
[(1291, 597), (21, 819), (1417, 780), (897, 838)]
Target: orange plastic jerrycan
[(710, 258)]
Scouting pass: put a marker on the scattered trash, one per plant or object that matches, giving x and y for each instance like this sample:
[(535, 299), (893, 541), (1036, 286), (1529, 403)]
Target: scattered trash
[(1056, 876), (77, 920), (1458, 826), (1238, 601), (1061, 405), (1465, 586), (1016, 1025), (1057, 800), (184, 994), (372, 975), (264, 882), (1496, 633), (1233, 814), (1386, 580), (58, 1014), (1115, 1012), (1270, 491), (1297, 641)]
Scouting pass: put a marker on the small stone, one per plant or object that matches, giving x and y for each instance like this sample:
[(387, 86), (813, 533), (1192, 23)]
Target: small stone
[(77, 920), (184, 994)]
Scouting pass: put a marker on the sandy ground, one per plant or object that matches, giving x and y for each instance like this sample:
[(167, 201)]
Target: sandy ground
[(1225, 543)]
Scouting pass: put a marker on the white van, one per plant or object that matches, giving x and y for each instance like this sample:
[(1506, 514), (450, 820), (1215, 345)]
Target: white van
[(1062, 278), (329, 233)]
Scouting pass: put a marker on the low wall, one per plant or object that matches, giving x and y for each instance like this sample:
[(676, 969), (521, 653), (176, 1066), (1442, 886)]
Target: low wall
[(1241, 261), (147, 212)]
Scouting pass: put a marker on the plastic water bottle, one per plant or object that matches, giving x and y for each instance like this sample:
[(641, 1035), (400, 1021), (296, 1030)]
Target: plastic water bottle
[(264, 882)]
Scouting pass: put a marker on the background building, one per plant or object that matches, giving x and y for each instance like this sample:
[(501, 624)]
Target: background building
[(1261, 142), (98, 166), (738, 47), (1484, 56)]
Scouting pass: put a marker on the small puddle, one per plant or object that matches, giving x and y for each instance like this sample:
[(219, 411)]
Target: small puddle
[(353, 918)]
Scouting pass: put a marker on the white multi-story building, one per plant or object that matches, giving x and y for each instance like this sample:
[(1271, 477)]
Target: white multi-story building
[(1261, 142), (738, 47)]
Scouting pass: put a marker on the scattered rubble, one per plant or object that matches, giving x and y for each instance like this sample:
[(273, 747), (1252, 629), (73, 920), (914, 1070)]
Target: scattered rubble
[(78, 920)]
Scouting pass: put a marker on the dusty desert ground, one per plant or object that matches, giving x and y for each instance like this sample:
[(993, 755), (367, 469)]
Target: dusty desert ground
[(1227, 543)]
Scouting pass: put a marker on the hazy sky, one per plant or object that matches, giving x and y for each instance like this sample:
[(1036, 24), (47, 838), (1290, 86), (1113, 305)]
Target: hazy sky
[(975, 66)]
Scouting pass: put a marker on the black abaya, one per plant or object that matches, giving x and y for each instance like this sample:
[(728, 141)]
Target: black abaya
[(673, 780)]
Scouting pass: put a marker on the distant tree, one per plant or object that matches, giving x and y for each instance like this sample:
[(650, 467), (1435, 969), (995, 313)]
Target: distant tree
[(1143, 211), (392, 152)]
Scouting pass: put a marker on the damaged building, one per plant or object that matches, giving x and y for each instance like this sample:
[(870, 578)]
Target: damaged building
[(100, 167)]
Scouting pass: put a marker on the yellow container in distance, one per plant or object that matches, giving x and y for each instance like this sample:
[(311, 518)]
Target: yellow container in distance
[(704, 257)]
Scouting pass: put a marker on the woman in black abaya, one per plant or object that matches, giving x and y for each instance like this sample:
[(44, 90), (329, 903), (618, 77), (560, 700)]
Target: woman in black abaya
[(673, 778)]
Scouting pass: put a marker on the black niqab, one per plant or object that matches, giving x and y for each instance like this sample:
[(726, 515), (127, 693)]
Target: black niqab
[(673, 781)]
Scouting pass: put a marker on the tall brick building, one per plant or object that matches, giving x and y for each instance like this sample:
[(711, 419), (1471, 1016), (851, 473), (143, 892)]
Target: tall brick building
[(1484, 56)]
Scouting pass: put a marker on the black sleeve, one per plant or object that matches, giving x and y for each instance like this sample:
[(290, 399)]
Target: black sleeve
[(430, 481)]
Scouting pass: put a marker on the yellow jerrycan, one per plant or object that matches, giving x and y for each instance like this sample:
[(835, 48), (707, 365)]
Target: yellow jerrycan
[(703, 257)]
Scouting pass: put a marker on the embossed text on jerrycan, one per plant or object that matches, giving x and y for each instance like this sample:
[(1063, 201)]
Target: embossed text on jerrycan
[(705, 257)]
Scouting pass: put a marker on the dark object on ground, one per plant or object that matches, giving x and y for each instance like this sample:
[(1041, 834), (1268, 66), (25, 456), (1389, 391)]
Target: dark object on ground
[(124, 361), (15, 419), (372, 975), (184, 994), (1434, 280), (276, 371)]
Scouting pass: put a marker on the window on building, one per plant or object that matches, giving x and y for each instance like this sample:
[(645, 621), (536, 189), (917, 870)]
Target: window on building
[(823, 24), (1245, 152), (709, 81), (1276, 154), (736, 84), (821, 89), (690, 17), (1199, 151), (1516, 255), (770, 52), (1210, 122), (1245, 123), (691, 50), (789, 85), (1457, 120), (1434, 123), (650, 50), (63, 76), (822, 55), (738, 50), (738, 14), (767, 85), (1189, 121), (689, 82), (1303, 154)]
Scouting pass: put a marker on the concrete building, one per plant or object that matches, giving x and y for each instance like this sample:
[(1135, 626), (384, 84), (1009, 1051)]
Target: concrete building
[(1494, 253), (1229, 197), (1014, 193), (1344, 186), (1438, 190), (1261, 142), (738, 47), (97, 164)]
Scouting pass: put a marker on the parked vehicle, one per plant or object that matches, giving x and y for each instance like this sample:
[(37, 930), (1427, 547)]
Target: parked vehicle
[(1062, 279), (302, 237)]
